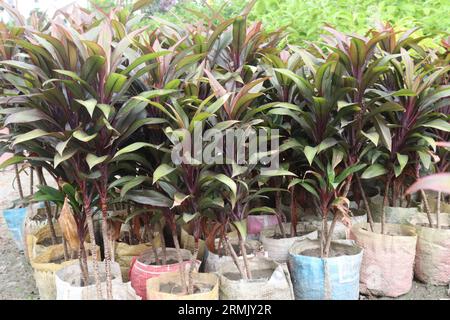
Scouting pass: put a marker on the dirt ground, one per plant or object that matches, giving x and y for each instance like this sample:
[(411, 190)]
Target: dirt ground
[(16, 275)]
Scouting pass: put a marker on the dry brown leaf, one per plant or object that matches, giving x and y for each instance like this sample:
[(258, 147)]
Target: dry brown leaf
[(69, 226)]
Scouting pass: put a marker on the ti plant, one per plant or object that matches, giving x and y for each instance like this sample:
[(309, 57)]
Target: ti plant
[(419, 97)]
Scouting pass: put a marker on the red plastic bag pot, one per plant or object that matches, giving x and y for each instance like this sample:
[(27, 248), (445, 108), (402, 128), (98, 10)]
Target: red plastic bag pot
[(141, 270)]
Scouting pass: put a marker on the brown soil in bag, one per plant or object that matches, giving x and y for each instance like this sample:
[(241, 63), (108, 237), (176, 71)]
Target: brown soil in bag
[(175, 288), (256, 274), (48, 241), (288, 234), (334, 252)]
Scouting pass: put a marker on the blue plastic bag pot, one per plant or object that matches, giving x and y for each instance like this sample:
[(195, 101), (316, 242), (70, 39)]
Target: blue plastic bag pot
[(14, 220), (335, 278)]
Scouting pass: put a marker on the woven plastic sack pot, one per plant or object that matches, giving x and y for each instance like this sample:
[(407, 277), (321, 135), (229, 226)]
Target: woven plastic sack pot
[(34, 241), (44, 269), (213, 261), (432, 264), (277, 249), (273, 285), (388, 260), (141, 272), (124, 254), (315, 278), (15, 220), (66, 281), (210, 279), (35, 220)]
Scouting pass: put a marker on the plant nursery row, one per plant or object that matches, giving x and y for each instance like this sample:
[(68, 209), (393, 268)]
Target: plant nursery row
[(206, 161)]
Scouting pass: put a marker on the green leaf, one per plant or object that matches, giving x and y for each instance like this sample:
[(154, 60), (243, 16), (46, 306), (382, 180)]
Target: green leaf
[(91, 67), (304, 185), (33, 134), (276, 172), (139, 4), (61, 146), (239, 32), (383, 130), (83, 136), (131, 184), (162, 171), (241, 227), (88, 104), (425, 158), (325, 144), (61, 158), (188, 60), (402, 160), (218, 103), (47, 193), (114, 83), (26, 116), (178, 199), (142, 59), (438, 124), (149, 197), (262, 209), (310, 153), (12, 160), (135, 146), (372, 136), (187, 217), (404, 93), (373, 171), (105, 108), (92, 160), (348, 171), (338, 155), (228, 182)]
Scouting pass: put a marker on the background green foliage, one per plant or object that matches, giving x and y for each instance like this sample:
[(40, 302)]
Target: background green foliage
[(306, 17)]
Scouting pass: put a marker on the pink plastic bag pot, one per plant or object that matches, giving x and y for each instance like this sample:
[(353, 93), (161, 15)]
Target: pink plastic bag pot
[(388, 260), (143, 268), (256, 223)]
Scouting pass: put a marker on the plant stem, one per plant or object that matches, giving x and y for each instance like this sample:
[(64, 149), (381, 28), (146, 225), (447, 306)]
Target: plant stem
[(90, 224), (427, 207), (438, 210), (385, 202), (330, 235), (19, 183), (323, 234), (154, 249), (48, 209), (244, 257), (107, 247), (180, 260), (163, 243), (293, 213), (66, 252), (192, 267), (279, 213), (31, 180), (82, 258), (235, 258), (366, 203)]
